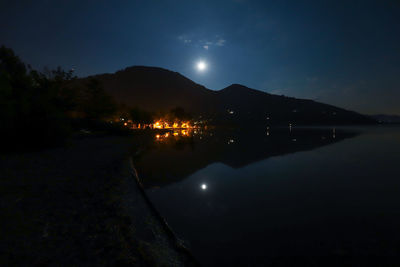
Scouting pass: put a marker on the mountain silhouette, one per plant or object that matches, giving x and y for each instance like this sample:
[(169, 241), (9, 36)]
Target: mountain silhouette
[(388, 119), (156, 89)]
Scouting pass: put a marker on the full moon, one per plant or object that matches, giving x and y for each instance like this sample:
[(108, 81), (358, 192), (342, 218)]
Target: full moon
[(201, 66)]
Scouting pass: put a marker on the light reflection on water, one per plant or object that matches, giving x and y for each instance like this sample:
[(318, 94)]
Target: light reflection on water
[(173, 155), (327, 198)]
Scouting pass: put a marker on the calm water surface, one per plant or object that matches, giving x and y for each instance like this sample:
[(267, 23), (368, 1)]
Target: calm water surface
[(312, 197)]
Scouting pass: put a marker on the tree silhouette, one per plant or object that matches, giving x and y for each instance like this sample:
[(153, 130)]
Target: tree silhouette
[(96, 103), (33, 105), (140, 116), (180, 114)]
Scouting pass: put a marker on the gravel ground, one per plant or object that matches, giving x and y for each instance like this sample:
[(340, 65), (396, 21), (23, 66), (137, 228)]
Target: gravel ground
[(79, 205)]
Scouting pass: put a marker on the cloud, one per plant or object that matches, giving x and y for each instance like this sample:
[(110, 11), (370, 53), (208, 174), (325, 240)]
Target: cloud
[(220, 42), (184, 39), (205, 43)]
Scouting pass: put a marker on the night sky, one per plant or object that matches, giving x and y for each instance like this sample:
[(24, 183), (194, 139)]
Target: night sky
[(342, 53)]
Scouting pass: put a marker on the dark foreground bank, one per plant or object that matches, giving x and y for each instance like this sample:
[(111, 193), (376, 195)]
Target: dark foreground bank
[(79, 205)]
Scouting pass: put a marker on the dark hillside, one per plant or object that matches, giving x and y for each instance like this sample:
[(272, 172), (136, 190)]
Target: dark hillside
[(157, 89)]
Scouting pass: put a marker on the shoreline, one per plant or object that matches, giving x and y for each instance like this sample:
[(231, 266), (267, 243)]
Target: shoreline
[(177, 243), (78, 205)]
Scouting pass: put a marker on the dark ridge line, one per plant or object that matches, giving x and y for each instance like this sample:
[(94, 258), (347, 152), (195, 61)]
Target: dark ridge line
[(177, 243)]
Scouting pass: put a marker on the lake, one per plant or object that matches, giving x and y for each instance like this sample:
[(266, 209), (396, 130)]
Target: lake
[(279, 196)]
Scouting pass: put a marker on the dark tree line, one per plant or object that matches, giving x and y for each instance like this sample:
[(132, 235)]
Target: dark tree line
[(95, 103), (35, 106), (44, 108), (138, 115), (180, 114)]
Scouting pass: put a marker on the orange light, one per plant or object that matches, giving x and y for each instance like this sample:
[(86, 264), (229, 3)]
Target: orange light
[(167, 134), (176, 133), (157, 125), (157, 136), (175, 125), (125, 124)]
